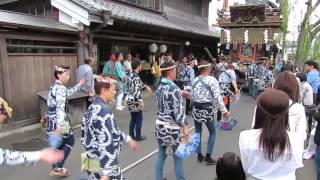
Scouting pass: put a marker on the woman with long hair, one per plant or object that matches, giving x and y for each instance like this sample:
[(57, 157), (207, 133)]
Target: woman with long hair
[(287, 82), (270, 151)]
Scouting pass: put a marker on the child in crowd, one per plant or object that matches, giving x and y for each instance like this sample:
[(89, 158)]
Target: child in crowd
[(229, 167)]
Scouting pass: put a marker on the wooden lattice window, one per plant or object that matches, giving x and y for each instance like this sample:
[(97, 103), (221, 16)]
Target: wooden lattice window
[(18, 46)]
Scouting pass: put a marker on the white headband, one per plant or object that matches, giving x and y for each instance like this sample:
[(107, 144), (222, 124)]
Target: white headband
[(167, 68), (60, 69), (104, 79), (204, 65)]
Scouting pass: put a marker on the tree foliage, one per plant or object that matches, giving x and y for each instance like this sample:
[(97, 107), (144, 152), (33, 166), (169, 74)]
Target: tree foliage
[(306, 42), (285, 12), (308, 34), (316, 49)]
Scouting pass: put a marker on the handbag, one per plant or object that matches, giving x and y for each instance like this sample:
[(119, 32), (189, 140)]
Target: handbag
[(66, 129), (227, 124), (89, 164)]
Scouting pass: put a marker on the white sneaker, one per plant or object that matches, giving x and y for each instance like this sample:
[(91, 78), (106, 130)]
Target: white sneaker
[(123, 107), (119, 108)]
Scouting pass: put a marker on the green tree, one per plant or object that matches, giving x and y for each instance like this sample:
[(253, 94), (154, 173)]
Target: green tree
[(308, 33), (316, 48), (285, 12)]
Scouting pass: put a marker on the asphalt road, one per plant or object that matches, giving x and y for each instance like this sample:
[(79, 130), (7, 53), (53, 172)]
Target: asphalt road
[(227, 141)]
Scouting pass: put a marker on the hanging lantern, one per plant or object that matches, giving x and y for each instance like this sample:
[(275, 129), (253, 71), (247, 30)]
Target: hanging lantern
[(266, 38), (268, 47), (163, 48), (246, 36), (228, 36), (187, 43), (153, 48)]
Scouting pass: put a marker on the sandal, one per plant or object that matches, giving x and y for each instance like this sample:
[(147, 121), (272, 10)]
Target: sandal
[(61, 172)]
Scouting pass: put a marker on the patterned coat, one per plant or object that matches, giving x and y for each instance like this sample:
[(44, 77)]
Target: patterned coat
[(170, 114), (101, 137), (264, 77), (188, 76), (11, 158), (181, 70), (134, 91), (57, 98), (225, 81), (207, 99)]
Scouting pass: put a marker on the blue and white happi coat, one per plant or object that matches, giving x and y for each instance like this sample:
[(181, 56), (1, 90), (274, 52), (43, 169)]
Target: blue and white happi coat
[(250, 73), (225, 81), (11, 158), (57, 99), (263, 76), (206, 98), (102, 139), (188, 76), (134, 92), (181, 71), (170, 115)]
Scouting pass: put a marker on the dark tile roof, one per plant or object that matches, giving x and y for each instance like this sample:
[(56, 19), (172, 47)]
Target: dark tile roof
[(25, 20), (128, 13)]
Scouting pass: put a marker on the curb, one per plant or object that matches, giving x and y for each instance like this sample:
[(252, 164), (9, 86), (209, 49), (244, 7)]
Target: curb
[(27, 129), (20, 130)]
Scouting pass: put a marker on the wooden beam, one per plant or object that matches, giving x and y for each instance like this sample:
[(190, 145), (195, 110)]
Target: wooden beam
[(41, 54), (135, 39), (38, 37)]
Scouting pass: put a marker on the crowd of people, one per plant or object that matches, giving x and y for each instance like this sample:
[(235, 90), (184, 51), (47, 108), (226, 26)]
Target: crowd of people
[(285, 116)]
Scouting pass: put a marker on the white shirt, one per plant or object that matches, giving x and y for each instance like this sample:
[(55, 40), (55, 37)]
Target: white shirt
[(255, 164), (297, 119), (306, 94)]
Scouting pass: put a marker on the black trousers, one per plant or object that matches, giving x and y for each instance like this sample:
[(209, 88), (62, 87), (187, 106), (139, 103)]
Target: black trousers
[(188, 106)]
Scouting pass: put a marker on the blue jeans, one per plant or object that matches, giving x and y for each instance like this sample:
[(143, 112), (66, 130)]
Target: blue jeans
[(212, 135), (318, 162), (135, 124), (66, 147), (178, 164)]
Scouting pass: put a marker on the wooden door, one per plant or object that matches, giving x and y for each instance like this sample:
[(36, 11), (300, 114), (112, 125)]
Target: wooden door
[(28, 74)]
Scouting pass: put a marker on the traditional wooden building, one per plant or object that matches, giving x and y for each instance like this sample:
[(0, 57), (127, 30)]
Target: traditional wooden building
[(250, 32), (38, 34), (131, 26)]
